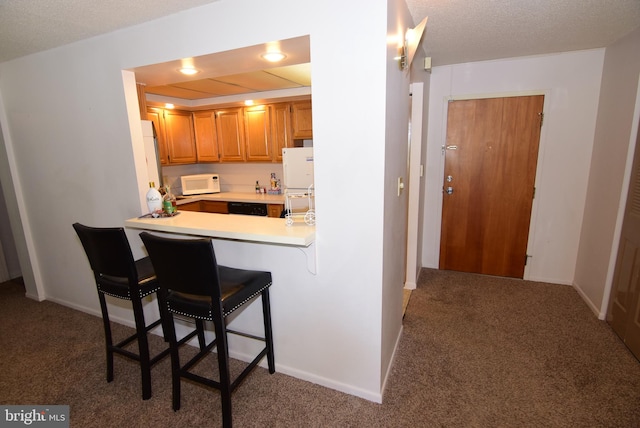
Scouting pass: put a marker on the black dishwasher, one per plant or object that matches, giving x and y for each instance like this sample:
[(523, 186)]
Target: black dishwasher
[(248, 208)]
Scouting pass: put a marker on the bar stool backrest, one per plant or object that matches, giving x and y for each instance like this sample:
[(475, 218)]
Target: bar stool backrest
[(108, 252), (184, 265)]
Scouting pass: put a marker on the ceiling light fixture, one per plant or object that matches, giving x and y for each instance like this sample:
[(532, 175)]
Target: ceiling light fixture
[(189, 71), (169, 105), (248, 102), (274, 56)]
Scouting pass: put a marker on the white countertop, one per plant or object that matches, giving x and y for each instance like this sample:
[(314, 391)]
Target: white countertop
[(230, 226), (234, 197)]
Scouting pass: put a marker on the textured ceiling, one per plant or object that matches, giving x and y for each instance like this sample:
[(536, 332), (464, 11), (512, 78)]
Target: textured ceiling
[(473, 30), (457, 30), (29, 26)]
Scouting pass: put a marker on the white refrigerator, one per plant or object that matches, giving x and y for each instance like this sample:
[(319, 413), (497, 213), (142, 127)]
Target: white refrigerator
[(297, 168), (154, 170)]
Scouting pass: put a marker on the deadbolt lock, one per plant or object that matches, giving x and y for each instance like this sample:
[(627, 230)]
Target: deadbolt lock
[(449, 190)]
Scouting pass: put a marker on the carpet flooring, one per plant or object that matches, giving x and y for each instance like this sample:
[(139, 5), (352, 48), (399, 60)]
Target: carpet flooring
[(476, 351)]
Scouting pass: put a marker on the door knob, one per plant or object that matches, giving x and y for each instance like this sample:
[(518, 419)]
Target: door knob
[(449, 190)]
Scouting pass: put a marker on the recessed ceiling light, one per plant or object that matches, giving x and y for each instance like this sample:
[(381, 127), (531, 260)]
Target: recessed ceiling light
[(274, 56), (188, 71)]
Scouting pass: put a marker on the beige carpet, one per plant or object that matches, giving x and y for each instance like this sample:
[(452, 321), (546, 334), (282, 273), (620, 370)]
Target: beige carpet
[(476, 351)]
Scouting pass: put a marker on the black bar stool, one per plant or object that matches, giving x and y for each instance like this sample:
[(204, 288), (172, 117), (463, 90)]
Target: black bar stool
[(118, 275), (193, 285)]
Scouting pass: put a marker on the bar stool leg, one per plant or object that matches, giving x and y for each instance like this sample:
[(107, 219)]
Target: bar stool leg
[(143, 347), (200, 329), (225, 375), (268, 335), (175, 359), (107, 336)]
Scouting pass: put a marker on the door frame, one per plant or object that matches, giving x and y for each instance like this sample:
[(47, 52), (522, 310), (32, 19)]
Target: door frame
[(617, 233), (415, 190), (541, 150)]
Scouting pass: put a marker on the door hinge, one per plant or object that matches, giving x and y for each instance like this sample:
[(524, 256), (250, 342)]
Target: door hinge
[(541, 114), (534, 192), (526, 258)]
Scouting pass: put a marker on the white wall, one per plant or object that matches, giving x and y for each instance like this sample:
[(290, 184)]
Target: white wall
[(603, 210), (67, 140), (234, 177), (571, 83), (394, 161)]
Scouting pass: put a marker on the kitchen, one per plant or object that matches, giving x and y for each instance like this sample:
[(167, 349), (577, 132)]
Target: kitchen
[(207, 123)]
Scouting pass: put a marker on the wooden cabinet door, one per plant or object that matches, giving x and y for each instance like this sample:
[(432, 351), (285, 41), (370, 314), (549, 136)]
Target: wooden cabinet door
[(204, 125), (302, 123), (190, 206), (281, 129), (274, 210), (230, 130), (257, 133), (216, 207), (180, 141), (156, 116)]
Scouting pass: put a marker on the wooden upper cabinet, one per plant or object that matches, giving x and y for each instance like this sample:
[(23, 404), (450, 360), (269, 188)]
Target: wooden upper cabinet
[(280, 129), (230, 130), (257, 133), (180, 142), (234, 134), (156, 116), (301, 118), (204, 125)]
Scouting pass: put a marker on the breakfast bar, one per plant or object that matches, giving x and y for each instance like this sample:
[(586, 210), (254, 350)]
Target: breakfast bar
[(256, 243), (239, 228), (265, 230)]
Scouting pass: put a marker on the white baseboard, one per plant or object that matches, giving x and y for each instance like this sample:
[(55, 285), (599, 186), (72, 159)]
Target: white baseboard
[(391, 363), (589, 303), (375, 396)]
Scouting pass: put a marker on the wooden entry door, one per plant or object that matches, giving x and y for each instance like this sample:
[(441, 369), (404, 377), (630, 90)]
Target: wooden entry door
[(624, 305), (491, 155)]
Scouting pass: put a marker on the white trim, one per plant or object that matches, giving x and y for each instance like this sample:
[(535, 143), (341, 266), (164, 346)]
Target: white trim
[(413, 210), (621, 208), (373, 396), (30, 268), (542, 145), (393, 358), (587, 300)]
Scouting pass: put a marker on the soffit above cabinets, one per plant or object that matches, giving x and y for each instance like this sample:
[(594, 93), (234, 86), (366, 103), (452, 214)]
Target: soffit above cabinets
[(293, 76), (234, 72)]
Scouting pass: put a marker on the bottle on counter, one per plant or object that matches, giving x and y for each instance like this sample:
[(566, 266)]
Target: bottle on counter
[(257, 187), (154, 199), (169, 202)]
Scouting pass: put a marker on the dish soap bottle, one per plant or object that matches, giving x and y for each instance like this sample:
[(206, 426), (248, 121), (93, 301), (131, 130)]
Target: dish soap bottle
[(154, 199), (169, 202)]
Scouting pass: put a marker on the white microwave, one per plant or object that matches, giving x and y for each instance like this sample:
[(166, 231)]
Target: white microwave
[(200, 183)]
